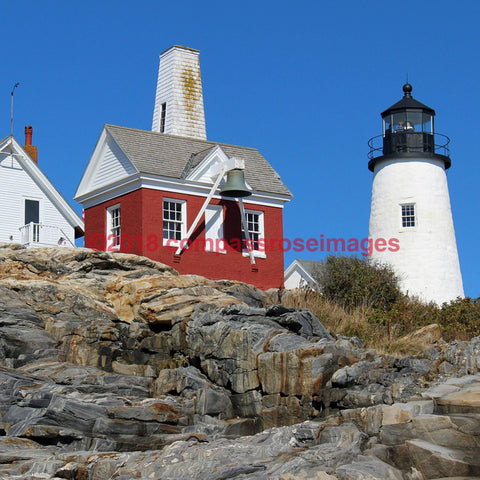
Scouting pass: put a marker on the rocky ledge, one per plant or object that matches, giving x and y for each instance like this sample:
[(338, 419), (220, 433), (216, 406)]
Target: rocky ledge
[(113, 366)]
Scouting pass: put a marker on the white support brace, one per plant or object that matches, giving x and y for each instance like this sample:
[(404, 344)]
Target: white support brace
[(202, 210), (247, 234)]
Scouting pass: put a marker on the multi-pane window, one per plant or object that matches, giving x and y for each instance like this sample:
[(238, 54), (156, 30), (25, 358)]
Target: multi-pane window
[(173, 219), (113, 229), (254, 222), (408, 215)]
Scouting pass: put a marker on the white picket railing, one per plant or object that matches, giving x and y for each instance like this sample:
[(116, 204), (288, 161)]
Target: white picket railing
[(39, 235)]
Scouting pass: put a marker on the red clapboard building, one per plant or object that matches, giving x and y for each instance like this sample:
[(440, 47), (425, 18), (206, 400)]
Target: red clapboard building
[(203, 207)]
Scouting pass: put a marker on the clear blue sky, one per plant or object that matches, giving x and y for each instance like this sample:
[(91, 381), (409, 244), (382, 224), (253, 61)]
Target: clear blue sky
[(303, 81)]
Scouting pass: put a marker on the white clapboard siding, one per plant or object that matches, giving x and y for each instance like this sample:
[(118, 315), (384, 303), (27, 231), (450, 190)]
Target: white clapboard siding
[(179, 86), (15, 187), (113, 166), (164, 94)]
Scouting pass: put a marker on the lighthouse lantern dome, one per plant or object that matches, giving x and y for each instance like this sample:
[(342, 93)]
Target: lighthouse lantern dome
[(408, 115), (408, 130)]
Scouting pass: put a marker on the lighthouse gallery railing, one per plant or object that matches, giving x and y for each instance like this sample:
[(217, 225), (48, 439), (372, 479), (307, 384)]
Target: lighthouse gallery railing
[(441, 144)]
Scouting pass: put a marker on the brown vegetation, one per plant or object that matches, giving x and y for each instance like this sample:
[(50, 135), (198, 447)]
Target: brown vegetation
[(362, 299)]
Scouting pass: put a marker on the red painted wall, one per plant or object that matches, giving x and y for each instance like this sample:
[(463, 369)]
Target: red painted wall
[(130, 222), (141, 220)]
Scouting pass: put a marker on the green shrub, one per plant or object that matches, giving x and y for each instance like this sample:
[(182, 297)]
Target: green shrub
[(460, 319), (362, 298), (404, 316), (354, 282)]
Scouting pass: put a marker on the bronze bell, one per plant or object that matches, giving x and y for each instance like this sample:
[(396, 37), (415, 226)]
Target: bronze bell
[(235, 186)]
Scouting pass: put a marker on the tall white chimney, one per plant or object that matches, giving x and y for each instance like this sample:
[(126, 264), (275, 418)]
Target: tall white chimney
[(179, 98)]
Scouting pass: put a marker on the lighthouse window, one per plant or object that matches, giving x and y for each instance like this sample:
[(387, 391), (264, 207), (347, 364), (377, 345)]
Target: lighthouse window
[(173, 220), (428, 123), (408, 215), (414, 119)]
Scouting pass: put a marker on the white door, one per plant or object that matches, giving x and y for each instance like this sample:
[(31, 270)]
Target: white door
[(214, 241)]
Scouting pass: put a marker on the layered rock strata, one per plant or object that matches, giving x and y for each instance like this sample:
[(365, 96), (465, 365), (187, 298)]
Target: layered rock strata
[(114, 366)]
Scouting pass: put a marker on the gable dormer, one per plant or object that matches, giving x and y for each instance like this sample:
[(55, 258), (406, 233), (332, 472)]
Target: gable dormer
[(213, 162)]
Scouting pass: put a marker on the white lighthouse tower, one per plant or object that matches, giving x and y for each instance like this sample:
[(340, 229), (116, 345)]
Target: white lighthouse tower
[(410, 202)]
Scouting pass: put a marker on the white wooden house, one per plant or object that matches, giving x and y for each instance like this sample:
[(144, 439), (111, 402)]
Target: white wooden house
[(34, 213), (302, 274)]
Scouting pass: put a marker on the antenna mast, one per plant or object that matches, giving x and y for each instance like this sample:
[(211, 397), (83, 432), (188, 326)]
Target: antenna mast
[(11, 121), (11, 110)]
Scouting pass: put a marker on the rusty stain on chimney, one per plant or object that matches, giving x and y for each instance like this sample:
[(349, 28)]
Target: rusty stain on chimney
[(28, 147)]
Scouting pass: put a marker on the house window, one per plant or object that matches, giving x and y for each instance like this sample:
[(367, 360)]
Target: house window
[(113, 228), (163, 114), (408, 215), (174, 220), (254, 220)]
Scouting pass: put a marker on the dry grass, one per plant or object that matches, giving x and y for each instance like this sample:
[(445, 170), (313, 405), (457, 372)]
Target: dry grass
[(402, 347), (374, 330)]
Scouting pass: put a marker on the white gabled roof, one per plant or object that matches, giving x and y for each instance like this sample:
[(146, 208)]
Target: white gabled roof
[(108, 165), (32, 169), (302, 268)]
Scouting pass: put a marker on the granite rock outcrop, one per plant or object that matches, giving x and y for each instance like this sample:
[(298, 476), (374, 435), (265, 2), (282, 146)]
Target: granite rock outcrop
[(114, 366)]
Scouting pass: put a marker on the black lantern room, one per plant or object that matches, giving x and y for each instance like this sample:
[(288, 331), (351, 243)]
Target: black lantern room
[(408, 131)]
